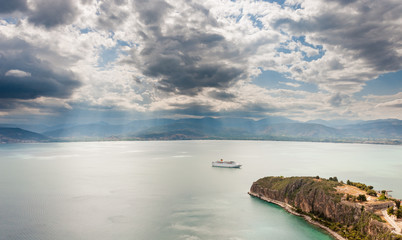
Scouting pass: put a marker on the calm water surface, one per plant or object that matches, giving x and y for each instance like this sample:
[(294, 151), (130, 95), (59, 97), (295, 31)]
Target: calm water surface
[(168, 190)]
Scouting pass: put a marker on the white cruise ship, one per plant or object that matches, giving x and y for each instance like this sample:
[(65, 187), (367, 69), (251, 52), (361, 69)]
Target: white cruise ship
[(226, 164)]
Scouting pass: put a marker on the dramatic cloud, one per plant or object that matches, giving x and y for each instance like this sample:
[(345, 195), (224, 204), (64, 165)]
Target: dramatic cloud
[(112, 14), (17, 73), (363, 38), (151, 12), (221, 95), (7, 6), (180, 52), (302, 59), (51, 13), (397, 103), (24, 76)]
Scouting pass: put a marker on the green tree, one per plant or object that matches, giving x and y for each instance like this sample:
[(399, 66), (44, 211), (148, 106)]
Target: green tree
[(362, 198), (390, 210), (371, 192), (348, 182), (398, 204), (399, 213), (382, 197), (335, 179)]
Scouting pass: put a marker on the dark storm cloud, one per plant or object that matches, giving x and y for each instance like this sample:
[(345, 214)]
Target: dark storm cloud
[(86, 1), (8, 104), (344, 2), (9, 6), (190, 79), (372, 32), (221, 95), (112, 14), (52, 13), (336, 100), (24, 76), (251, 110), (151, 12), (339, 99), (194, 109), (185, 58)]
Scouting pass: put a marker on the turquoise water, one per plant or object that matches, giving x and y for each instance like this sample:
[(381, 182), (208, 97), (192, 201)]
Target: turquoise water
[(168, 190)]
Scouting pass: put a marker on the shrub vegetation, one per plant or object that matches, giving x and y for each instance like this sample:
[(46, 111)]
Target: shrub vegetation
[(369, 189)]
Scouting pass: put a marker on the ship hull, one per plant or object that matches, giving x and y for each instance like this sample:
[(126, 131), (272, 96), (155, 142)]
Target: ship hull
[(225, 165)]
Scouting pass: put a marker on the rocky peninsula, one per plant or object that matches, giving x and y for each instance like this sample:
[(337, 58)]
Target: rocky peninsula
[(346, 211)]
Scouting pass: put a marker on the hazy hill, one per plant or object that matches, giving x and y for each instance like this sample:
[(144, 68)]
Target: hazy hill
[(17, 135), (382, 128), (103, 129), (271, 128), (285, 129), (302, 130), (86, 130), (233, 128), (28, 127), (334, 123), (204, 128)]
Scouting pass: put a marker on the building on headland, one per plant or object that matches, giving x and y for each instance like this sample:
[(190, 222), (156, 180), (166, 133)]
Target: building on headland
[(379, 205)]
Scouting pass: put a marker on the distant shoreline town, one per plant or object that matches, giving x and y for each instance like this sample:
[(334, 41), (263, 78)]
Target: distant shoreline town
[(383, 131)]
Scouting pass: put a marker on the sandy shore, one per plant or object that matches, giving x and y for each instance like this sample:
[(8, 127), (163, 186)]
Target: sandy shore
[(291, 210)]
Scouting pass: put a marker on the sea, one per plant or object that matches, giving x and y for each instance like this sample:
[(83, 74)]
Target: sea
[(145, 190)]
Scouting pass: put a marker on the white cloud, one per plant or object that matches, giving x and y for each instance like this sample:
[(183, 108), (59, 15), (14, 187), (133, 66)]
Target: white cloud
[(176, 54), (397, 103), (17, 73), (295, 85)]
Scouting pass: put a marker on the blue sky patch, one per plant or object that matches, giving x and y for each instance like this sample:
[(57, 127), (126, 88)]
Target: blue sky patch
[(256, 21), (109, 55), (11, 20), (85, 30), (280, 2), (302, 40), (275, 80), (385, 84)]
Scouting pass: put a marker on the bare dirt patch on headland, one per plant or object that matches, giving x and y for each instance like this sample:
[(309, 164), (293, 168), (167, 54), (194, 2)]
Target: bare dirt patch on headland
[(354, 191)]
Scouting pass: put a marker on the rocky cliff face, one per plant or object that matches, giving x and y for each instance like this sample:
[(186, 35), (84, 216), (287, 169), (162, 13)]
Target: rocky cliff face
[(319, 198)]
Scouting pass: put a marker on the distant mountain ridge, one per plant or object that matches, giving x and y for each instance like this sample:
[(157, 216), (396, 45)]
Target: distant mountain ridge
[(18, 135), (271, 128), (382, 128)]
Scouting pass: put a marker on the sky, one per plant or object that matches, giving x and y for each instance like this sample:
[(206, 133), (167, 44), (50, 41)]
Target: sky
[(80, 61)]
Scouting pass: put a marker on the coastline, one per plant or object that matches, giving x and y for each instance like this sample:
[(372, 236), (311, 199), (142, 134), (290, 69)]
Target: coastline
[(291, 210)]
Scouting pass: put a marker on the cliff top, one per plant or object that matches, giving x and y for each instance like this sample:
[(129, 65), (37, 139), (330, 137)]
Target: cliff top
[(331, 186), (281, 183), (353, 210)]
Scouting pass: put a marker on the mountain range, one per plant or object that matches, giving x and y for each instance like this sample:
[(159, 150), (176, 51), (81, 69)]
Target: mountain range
[(17, 135), (272, 128)]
